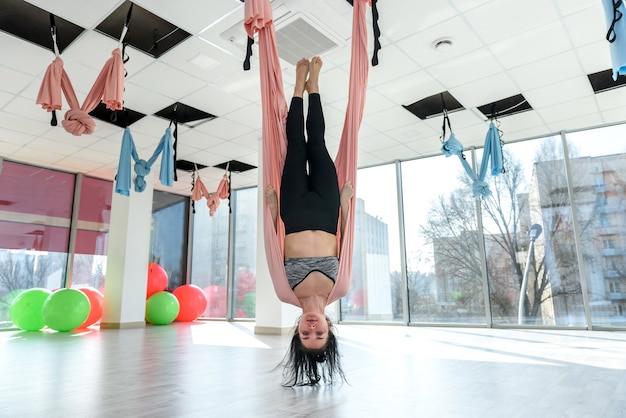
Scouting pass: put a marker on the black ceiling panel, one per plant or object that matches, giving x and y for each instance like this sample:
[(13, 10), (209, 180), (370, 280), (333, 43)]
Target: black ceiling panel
[(184, 114), (189, 166), (33, 24), (506, 107), (603, 81), (146, 31), (121, 118), (235, 166), (433, 106)]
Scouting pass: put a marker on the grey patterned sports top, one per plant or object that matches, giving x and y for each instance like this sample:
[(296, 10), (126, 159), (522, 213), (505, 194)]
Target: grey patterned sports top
[(299, 268)]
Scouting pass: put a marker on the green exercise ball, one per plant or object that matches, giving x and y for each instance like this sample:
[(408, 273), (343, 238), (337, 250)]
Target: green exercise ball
[(26, 309), (162, 308), (66, 309)]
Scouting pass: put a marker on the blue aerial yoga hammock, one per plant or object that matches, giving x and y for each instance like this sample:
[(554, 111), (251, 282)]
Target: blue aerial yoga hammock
[(492, 155), (614, 11), (142, 167)]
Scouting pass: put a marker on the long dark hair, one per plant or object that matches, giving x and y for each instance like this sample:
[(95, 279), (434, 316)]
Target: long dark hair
[(306, 367)]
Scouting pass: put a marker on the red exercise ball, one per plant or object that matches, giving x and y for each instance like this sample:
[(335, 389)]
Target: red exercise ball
[(96, 299), (192, 302), (157, 279)]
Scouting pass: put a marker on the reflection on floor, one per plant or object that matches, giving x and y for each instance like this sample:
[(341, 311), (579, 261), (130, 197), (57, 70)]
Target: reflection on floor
[(219, 369)]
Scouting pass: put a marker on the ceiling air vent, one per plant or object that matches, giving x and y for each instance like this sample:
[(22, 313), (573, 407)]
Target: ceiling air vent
[(603, 81), (433, 105), (298, 39)]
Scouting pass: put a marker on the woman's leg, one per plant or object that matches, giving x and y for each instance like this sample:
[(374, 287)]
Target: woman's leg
[(294, 182), (323, 175)]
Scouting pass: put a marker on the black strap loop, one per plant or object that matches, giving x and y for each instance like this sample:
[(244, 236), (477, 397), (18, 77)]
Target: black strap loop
[(611, 35), (246, 63), (377, 45)]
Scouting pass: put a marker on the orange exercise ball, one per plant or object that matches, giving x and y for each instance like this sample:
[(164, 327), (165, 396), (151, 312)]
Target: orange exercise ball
[(96, 299)]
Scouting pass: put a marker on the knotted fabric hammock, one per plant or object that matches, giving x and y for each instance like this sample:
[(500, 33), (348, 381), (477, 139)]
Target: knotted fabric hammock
[(213, 200), (259, 19), (142, 167), (492, 155)]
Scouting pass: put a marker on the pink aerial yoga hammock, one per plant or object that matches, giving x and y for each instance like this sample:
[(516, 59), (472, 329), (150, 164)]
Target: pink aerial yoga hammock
[(259, 19), (108, 88), (212, 199)]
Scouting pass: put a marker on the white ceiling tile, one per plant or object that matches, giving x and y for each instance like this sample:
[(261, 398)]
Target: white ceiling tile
[(561, 92), (26, 108), (420, 46), (167, 80), (373, 143), (392, 119), (14, 138), (611, 116), (393, 16), (546, 71), (224, 128), (197, 139), (485, 91), (5, 98), (13, 81), (411, 88), (143, 100), (611, 99), (368, 159), (595, 57), (579, 122), (220, 63), (54, 146), (394, 152), (393, 63), (215, 101), (23, 56), (502, 19), (37, 156), (247, 118), (568, 110), (24, 125), (546, 41), (567, 7), (92, 49), (519, 122), (230, 149), (586, 26), (465, 69)]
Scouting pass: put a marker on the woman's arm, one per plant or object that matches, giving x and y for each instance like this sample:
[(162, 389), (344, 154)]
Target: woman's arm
[(344, 198), (272, 202)]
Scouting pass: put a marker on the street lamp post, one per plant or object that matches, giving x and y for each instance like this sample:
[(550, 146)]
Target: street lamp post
[(533, 234)]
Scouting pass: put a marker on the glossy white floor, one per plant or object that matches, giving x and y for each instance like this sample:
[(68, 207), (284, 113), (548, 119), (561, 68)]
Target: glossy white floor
[(218, 369)]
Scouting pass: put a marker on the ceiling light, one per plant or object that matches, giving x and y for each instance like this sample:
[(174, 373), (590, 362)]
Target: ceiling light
[(203, 61), (442, 44)]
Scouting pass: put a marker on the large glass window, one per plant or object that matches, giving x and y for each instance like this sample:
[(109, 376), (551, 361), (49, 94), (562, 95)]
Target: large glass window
[(92, 232), (530, 239), (245, 224), (168, 240), (598, 166), (209, 259), (35, 214), (376, 288), (444, 267)]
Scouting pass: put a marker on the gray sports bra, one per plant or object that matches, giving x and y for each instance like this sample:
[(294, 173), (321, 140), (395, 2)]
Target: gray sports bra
[(299, 268)]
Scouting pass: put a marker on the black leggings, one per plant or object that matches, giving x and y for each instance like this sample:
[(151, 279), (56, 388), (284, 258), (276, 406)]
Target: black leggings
[(308, 201)]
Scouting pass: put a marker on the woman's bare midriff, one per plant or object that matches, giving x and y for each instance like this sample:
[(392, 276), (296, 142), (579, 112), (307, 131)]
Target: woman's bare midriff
[(310, 244)]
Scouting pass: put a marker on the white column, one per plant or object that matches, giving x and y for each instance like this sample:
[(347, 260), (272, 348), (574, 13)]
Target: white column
[(272, 316), (127, 259)]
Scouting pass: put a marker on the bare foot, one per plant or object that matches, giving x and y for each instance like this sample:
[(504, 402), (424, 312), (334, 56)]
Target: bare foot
[(302, 70), (272, 201), (346, 193), (315, 66)]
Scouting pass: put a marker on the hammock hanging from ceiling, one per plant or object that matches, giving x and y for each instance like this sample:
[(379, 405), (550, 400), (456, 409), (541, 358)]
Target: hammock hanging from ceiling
[(614, 11), (259, 19), (108, 88), (492, 155)]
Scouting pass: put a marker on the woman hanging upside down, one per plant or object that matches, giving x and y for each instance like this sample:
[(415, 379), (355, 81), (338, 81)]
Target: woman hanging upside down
[(310, 206)]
